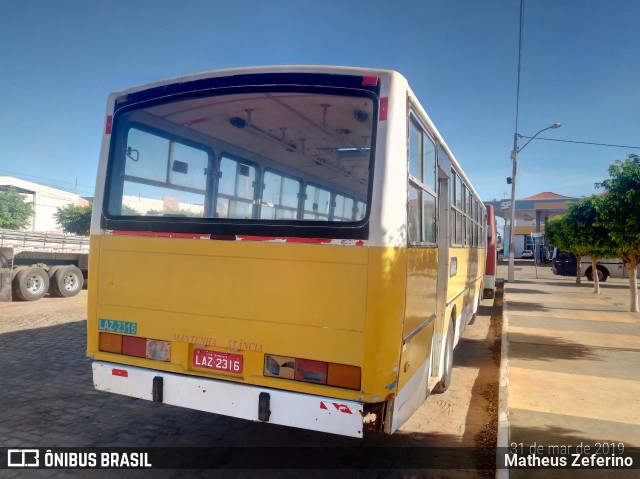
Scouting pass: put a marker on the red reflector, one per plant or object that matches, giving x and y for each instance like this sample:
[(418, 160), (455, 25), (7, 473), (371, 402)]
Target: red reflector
[(384, 105), (109, 124), (120, 372), (311, 371), (132, 346), (370, 81)]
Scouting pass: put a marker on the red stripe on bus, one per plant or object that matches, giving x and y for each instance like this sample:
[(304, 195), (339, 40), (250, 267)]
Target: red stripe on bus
[(295, 239), (109, 125), (286, 239), (160, 234)]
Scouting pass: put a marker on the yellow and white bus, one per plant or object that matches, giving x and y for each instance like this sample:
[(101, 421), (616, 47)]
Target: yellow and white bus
[(291, 245)]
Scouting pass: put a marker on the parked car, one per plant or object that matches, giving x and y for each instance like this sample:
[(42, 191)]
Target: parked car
[(527, 253)]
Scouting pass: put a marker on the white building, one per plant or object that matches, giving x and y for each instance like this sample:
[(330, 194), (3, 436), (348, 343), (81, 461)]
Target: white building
[(46, 201), (166, 204)]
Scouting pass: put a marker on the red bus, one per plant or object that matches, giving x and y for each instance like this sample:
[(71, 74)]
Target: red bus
[(492, 255)]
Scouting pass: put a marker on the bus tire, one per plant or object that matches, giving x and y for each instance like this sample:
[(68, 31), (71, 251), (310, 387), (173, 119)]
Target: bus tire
[(66, 281), (488, 293), (603, 274), (477, 307), (30, 284), (442, 385)]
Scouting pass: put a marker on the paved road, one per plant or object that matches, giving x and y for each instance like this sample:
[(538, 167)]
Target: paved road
[(525, 269), (47, 400)]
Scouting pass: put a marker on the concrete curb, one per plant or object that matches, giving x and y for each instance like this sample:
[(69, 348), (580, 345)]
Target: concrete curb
[(503, 394)]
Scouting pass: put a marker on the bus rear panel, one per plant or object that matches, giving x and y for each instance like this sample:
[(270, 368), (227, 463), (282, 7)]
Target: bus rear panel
[(249, 249)]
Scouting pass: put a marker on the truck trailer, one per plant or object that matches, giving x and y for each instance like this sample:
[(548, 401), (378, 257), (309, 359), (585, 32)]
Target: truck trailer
[(33, 264)]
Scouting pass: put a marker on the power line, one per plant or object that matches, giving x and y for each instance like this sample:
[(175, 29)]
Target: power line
[(83, 187), (40, 178), (519, 60), (580, 142)]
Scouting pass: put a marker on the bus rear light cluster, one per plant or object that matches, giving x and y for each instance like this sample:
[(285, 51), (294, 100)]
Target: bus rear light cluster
[(135, 346), (317, 372)]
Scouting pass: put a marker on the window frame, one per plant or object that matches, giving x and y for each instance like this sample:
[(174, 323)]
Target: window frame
[(240, 161), (330, 201), (283, 176), (109, 198), (312, 83), (419, 184), (467, 224)]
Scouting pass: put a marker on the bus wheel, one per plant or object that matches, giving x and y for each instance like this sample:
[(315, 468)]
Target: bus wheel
[(30, 284), (445, 382), (66, 281), (475, 313)]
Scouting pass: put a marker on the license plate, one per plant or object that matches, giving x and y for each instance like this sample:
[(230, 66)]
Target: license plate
[(124, 327), (230, 363)]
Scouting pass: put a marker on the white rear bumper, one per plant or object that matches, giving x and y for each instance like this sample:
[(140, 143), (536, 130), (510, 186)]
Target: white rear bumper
[(286, 408)]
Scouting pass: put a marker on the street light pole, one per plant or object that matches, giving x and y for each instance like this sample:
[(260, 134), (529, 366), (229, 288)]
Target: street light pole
[(514, 159), (512, 257)]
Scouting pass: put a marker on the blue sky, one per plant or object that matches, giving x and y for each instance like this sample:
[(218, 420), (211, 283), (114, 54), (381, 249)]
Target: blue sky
[(580, 67)]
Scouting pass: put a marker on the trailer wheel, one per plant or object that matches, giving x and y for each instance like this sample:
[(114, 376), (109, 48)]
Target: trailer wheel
[(445, 382), (52, 270), (30, 284), (16, 270), (603, 274), (66, 281)]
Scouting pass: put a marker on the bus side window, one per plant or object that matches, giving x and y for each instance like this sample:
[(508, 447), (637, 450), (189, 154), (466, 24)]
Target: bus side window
[(280, 196), (343, 208), (236, 189), (413, 220), (317, 203), (361, 210), (428, 217), (421, 198)]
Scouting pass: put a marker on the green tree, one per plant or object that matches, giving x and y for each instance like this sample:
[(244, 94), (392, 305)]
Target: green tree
[(15, 212), (589, 234), (620, 210), (128, 211), (74, 219), (553, 232), (558, 232)]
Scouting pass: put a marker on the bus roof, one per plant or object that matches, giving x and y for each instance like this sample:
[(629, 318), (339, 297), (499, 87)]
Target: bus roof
[(336, 70)]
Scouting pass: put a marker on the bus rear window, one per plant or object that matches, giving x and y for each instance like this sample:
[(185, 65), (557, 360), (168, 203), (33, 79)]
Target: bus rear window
[(263, 156), (162, 176)]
